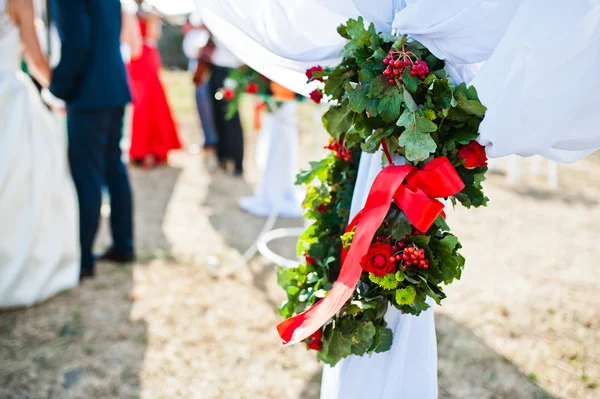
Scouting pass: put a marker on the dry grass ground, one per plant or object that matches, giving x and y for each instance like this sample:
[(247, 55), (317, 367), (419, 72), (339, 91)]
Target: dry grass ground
[(523, 323)]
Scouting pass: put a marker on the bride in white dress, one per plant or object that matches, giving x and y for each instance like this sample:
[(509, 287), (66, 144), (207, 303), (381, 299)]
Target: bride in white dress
[(39, 243)]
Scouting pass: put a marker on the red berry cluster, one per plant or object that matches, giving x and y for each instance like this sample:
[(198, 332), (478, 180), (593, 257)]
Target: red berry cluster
[(398, 60), (341, 151), (420, 69), (409, 256), (315, 341), (322, 208)]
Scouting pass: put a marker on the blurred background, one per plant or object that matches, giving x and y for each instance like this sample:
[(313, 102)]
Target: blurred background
[(523, 323)]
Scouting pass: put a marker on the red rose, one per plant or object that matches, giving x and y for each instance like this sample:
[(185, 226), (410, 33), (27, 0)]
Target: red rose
[(310, 72), (316, 96), (473, 154), (228, 94), (315, 341), (377, 260), (252, 88)]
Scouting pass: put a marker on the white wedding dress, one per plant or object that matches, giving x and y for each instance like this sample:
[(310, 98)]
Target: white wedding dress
[(39, 229), (538, 104)]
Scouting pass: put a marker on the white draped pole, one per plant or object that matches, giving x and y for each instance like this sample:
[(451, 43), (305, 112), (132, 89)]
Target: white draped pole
[(277, 150)]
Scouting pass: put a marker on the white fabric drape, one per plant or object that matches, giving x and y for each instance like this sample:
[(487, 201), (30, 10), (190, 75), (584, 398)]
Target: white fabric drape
[(278, 37), (277, 158), (536, 105)]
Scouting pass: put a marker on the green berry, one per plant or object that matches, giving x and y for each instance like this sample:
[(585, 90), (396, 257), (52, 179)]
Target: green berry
[(429, 114), (400, 276), (406, 296), (387, 282)]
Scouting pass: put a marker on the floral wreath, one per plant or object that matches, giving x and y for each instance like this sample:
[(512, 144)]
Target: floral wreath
[(245, 80), (391, 93)]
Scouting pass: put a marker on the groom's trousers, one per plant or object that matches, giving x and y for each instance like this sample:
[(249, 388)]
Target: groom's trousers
[(96, 163)]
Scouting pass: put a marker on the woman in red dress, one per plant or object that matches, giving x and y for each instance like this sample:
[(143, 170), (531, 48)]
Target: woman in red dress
[(153, 132)]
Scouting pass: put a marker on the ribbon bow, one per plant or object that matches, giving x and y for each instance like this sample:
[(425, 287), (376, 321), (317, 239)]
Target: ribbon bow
[(412, 190)]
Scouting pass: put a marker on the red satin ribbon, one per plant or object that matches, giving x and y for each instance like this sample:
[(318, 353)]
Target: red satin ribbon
[(258, 108), (414, 191)]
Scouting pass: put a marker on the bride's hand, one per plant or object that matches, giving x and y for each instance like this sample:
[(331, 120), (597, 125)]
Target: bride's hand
[(55, 104)]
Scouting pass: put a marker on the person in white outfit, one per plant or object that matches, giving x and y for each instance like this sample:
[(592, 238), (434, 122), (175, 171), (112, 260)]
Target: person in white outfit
[(39, 235)]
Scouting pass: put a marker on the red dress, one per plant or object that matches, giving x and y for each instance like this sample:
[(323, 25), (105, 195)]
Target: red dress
[(153, 131)]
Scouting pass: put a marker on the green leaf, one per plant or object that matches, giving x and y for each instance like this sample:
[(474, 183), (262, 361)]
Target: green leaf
[(468, 101), (379, 55), (360, 125), (362, 339), (435, 293), (372, 107), (318, 169), (440, 222), (400, 227), (415, 139), (343, 32), (374, 140), (445, 251), (475, 195), (368, 72), (285, 276), (419, 304), (410, 103), (379, 86), (385, 340), (410, 82), (442, 93), (353, 137), (306, 239), (357, 98), (450, 241), (417, 146), (462, 136), (335, 348), (337, 120), (359, 36), (440, 73), (392, 143), (336, 82), (417, 121), (389, 105), (388, 38), (400, 41), (420, 241)]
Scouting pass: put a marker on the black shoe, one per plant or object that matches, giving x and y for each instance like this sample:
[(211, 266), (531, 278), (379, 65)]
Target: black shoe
[(85, 274), (116, 257), (237, 172)]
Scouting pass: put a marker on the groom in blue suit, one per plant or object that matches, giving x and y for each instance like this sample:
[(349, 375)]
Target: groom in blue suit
[(91, 79)]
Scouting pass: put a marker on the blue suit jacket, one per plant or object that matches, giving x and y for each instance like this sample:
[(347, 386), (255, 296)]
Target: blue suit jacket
[(91, 73)]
